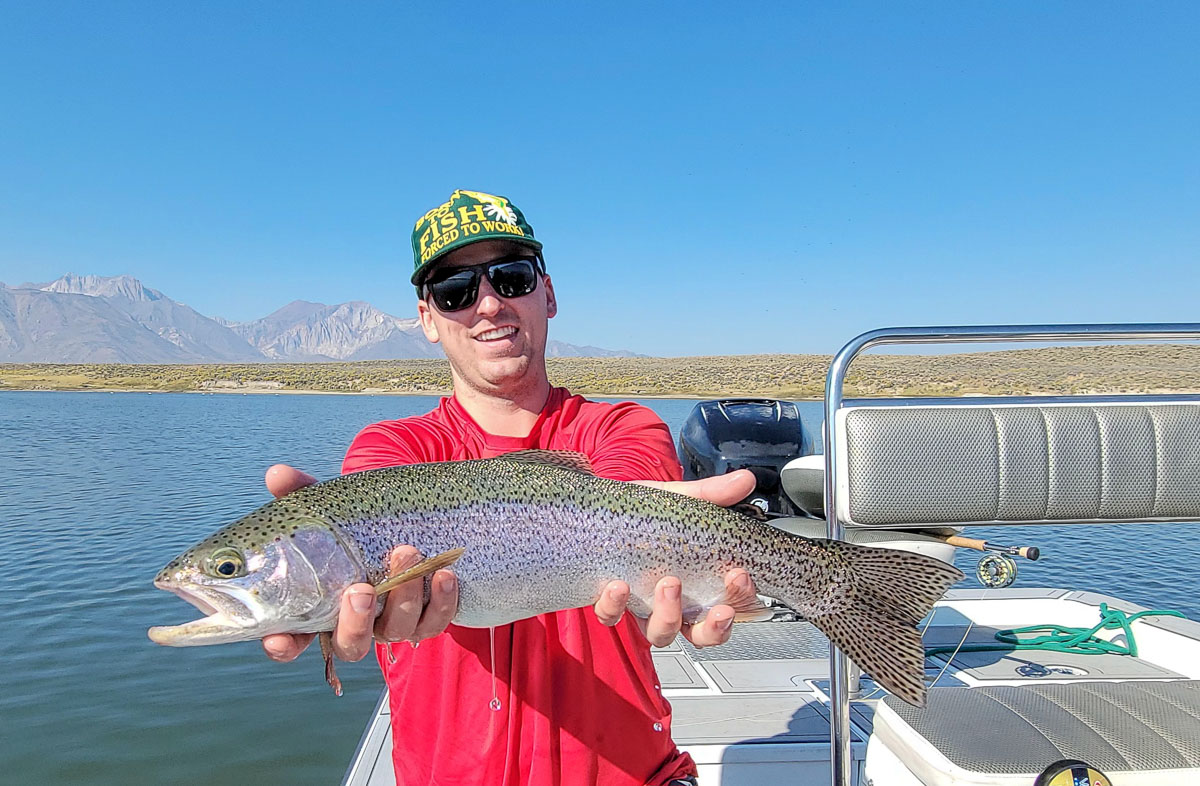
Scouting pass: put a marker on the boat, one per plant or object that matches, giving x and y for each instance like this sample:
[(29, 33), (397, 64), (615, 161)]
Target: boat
[(1108, 692)]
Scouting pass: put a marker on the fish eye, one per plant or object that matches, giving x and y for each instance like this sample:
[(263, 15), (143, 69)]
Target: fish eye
[(226, 564)]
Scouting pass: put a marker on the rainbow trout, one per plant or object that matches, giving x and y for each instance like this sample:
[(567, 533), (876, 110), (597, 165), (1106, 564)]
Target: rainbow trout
[(535, 532)]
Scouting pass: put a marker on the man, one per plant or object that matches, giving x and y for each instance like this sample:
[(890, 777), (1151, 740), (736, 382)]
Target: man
[(562, 698)]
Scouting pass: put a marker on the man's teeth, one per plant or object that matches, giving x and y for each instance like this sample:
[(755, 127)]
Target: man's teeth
[(492, 335)]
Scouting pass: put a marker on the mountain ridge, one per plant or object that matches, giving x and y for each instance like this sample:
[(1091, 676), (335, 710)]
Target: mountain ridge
[(303, 331), (118, 319)]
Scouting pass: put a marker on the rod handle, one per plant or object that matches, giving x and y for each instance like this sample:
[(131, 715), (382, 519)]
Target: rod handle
[(1031, 553)]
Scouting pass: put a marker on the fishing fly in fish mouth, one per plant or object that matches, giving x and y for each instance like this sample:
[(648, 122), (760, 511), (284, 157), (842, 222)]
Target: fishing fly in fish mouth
[(534, 532)]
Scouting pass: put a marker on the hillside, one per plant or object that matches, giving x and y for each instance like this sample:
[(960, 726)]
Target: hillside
[(1061, 370)]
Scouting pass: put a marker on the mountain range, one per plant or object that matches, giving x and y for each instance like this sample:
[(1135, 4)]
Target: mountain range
[(98, 319)]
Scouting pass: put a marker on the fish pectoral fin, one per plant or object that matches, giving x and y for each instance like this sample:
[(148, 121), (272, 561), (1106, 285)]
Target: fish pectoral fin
[(759, 614), (330, 672), (566, 459), (747, 606), (420, 570)]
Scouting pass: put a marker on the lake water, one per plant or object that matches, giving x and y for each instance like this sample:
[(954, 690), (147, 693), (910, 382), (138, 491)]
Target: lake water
[(98, 491)]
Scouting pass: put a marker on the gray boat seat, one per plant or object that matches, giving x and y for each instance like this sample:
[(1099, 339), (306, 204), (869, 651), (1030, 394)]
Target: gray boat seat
[(1139, 733), (942, 462)]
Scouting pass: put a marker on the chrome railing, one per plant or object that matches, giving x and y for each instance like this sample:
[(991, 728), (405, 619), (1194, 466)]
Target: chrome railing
[(839, 693)]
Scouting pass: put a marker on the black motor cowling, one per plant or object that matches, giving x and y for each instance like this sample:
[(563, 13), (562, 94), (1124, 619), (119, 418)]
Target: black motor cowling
[(745, 433)]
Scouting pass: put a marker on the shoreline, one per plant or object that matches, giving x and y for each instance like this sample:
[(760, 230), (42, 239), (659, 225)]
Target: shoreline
[(430, 394), (256, 391), (270, 391)]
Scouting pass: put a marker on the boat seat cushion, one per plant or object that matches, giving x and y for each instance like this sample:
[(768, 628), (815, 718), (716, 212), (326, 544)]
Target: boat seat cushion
[(1136, 732), (904, 466)]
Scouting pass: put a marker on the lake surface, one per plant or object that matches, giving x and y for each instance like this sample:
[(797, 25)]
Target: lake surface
[(98, 491)]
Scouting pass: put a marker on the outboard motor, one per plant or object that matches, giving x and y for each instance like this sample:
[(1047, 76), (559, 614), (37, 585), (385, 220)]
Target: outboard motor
[(745, 433)]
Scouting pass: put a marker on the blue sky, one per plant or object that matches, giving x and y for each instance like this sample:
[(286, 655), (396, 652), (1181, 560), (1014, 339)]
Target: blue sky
[(707, 178)]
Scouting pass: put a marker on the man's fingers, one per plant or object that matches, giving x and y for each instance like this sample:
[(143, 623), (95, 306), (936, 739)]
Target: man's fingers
[(714, 629), (611, 605), (717, 625), (402, 609), (726, 489), (285, 647), (352, 636), (666, 617), (442, 606), (283, 480)]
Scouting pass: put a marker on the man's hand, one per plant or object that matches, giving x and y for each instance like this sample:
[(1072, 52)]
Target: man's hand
[(666, 618), (403, 616)]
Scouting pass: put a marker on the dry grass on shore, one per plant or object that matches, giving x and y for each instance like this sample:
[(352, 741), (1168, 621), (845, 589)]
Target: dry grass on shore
[(1060, 370)]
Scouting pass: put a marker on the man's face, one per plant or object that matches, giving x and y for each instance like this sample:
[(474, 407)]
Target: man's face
[(495, 345)]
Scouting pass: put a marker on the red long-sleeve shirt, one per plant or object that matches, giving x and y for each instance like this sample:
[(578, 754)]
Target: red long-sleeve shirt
[(580, 702)]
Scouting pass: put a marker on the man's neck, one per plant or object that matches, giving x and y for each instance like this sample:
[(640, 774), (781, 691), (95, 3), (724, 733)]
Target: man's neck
[(504, 415)]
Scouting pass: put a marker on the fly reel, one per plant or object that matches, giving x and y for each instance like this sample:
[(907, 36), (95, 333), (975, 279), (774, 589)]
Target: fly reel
[(996, 571)]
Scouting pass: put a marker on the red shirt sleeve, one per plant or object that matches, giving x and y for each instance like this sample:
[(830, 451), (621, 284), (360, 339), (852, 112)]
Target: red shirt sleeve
[(632, 443)]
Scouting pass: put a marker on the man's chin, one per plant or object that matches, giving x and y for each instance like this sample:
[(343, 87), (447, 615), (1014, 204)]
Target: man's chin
[(494, 369), (500, 372)]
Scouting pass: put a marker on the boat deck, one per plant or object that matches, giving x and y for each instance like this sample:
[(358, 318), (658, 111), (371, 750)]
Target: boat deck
[(756, 710)]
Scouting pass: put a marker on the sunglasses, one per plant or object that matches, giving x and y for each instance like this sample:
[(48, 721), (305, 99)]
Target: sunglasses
[(456, 288)]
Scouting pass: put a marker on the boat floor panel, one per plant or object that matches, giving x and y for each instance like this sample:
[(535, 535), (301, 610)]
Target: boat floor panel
[(705, 720), (676, 671), (759, 641), (758, 676)]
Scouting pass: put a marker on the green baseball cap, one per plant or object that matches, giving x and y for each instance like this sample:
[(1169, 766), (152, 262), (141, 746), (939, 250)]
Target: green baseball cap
[(467, 217)]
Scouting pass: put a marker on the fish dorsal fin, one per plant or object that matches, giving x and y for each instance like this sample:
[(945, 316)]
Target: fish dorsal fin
[(566, 459)]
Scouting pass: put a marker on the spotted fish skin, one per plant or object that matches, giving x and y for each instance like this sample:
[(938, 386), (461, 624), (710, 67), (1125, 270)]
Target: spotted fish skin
[(539, 537)]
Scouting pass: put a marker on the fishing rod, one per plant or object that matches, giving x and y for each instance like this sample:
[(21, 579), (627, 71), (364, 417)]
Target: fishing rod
[(1031, 553)]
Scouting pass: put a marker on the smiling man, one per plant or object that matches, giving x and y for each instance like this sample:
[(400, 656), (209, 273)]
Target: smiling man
[(559, 699)]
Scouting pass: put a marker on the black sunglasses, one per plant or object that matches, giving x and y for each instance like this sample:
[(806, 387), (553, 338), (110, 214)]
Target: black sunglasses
[(456, 288)]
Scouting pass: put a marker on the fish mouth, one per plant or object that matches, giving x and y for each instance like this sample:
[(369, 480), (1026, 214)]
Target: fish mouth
[(228, 619)]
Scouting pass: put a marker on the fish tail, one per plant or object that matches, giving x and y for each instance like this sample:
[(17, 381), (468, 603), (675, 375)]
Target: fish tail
[(878, 597)]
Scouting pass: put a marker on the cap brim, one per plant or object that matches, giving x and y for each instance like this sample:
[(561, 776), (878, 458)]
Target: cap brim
[(536, 245)]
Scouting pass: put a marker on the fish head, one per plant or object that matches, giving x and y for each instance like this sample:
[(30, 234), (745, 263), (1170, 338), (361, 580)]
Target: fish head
[(274, 571)]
